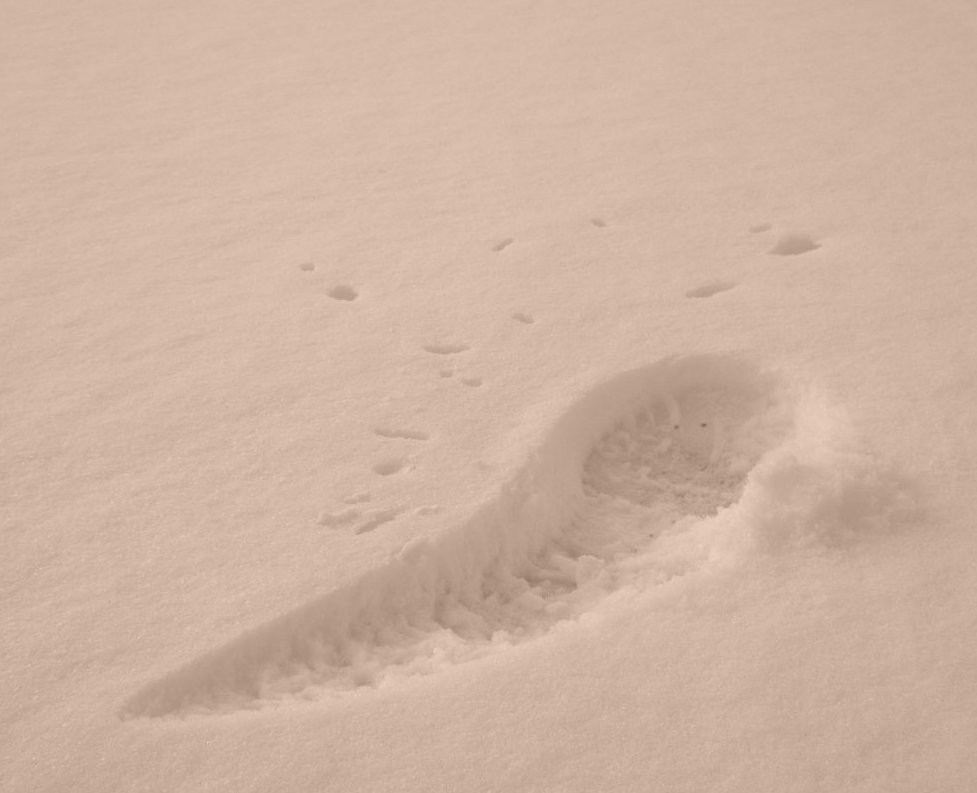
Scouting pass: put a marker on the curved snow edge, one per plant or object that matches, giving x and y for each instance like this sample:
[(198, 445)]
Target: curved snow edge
[(814, 487)]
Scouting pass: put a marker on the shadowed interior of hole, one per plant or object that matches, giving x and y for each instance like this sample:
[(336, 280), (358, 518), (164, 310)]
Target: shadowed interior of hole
[(689, 451)]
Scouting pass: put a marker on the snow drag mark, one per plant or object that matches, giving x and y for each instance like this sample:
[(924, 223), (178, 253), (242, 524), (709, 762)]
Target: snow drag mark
[(668, 470), (503, 244)]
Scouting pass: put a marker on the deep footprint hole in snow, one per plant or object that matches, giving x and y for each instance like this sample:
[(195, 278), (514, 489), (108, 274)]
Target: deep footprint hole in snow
[(678, 442), (794, 245), (680, 453)]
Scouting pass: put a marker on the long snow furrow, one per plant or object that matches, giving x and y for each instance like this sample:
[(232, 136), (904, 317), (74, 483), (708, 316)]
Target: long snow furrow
[(656, 473)]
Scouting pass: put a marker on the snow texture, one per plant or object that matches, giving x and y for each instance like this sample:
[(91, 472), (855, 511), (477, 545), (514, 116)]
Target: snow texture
[(510, 397)]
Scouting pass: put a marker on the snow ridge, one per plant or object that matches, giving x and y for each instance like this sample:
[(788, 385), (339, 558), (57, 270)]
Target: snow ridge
[(663, 471)]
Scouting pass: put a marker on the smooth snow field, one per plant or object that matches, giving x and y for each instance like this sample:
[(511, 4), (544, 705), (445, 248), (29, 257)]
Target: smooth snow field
[(468, 397)]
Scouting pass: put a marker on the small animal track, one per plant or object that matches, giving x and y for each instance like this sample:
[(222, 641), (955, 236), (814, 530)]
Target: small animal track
[(701, 462), (710, 289), (393, 432), (343, 292), (793, 245), (523, 317), (358, 498), (308, 267), (599, 222), (341, 518), (503, 244), (760, 228), (472, 382), (390, 466), (377, 518), (446, 349)]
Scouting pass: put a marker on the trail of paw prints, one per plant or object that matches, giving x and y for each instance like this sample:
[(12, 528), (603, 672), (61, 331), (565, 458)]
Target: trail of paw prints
[(788, 244), (446, 371), (338, 291), (359, 520), (392, 464), (364, 521), (353, 513), (470, 381)]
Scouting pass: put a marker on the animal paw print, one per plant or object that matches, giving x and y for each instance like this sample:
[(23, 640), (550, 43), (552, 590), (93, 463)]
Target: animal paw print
[(711, 288), (793, 245), (343, 292)]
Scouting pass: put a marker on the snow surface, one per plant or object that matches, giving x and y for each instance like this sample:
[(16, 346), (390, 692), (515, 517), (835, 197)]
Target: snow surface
[(513, 396)]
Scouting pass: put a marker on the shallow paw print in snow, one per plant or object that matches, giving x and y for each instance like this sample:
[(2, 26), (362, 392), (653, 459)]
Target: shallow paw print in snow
[(389, 466), (794, 245), (377, 518), (343, 292), (446, 348), (340, 517), (399, 432), (711, 288)]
